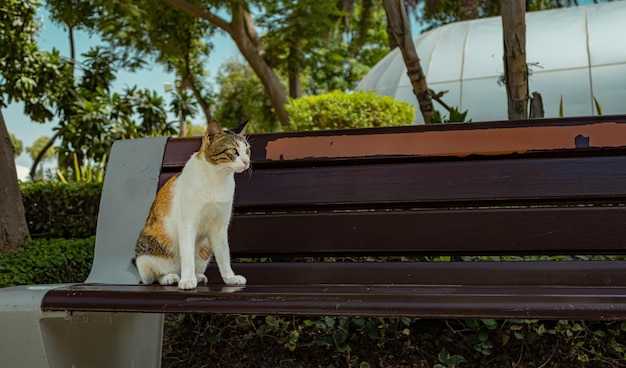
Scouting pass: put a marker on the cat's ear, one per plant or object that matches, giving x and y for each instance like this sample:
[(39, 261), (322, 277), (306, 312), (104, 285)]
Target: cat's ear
[(241, 128), (211, 130)]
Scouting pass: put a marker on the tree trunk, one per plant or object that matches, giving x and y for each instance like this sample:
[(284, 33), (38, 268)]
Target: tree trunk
[(468, 9), (398, 22), (515, 68), (391, 38), (72, 46), (244, 35), (13, 227), (191, 84), (536, 106), (182, 126), (241, 30), (293, 66)]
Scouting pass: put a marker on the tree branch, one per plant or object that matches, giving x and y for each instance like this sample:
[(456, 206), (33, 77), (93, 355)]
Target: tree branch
[(248, 24), (42, 153), (197, 11)]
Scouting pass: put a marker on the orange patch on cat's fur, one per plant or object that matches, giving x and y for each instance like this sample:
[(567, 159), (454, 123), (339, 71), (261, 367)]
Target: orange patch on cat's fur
[(205, 252), (155, 226)]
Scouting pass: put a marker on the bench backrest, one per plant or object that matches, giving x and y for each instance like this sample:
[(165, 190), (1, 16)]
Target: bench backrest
[(131, 182), (545, 187)]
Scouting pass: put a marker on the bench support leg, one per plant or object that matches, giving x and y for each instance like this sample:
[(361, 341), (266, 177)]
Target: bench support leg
[(104, 340), (32, 338)]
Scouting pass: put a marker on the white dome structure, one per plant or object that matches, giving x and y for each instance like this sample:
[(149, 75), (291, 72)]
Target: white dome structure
[(580, 53)]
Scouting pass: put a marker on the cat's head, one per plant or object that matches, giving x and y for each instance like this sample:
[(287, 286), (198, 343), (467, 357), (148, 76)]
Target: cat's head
[(224, 148)]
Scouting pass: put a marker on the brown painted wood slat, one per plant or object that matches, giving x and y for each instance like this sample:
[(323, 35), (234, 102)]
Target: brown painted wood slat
[(449, 140)]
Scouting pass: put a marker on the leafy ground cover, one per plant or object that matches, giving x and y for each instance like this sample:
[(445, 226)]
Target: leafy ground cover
[(270, 341)]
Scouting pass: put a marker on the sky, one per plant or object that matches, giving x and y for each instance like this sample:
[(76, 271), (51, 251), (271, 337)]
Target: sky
[(153, 77)]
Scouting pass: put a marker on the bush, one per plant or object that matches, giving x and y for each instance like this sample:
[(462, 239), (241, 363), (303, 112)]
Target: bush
[(339, 110), (58, 210), (47, 261)]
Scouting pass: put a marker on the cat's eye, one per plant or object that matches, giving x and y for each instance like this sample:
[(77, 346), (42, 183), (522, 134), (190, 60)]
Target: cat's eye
[(233, 151), (248, 151)]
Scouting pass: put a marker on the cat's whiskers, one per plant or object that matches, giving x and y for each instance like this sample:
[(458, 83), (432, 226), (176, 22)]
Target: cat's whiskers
[(249, 170)]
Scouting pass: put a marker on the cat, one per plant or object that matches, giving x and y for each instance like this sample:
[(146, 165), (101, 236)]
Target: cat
[(188, 221)]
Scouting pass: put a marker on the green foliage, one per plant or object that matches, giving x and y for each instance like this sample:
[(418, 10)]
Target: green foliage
[(339, 110), (55, 209), (38, 144), (96, 117), (87, 171), (597, 105), (26, 73), (241, 97), (183, 105), (281, 341), (18, 145), (333, 46), (436, 13), (448, 361), (454, 116), (91, 117), (47, 261), (195, 130), (175, 39)]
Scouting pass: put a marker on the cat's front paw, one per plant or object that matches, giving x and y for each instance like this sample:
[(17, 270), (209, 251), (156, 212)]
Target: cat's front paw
[(186, 284), (235, 280), (201, 278), (169, 279)]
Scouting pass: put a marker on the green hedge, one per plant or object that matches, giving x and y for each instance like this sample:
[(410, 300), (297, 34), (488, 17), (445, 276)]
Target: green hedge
[(47, 261), (58, 210), (339, 110)]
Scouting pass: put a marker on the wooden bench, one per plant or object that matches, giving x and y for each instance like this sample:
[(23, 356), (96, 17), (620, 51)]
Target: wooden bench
[(344, 222)]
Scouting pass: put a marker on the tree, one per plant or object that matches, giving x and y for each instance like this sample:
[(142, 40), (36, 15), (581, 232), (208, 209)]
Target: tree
[(36, 148), (183, 106), (34, 152), (242, 97), (242, 30), (13, 227), (18, 145), (27, 75), (174, 38), (73, 15), (323, 45), (515, 68), (436, 13), (399, 26), (98, 116), (194, 130)]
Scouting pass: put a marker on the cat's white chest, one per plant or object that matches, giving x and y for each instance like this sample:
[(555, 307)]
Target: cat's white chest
[(203, 195)]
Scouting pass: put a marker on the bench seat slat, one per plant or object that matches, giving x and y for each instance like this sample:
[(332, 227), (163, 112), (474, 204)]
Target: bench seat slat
[(430, 301), (538, 231), (512, 273), (568, 290)]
